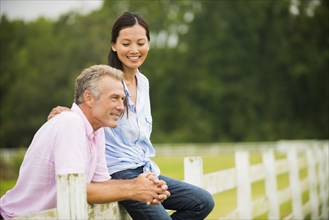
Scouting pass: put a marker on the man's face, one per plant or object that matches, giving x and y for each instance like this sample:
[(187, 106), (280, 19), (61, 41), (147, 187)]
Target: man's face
[(106, 111)]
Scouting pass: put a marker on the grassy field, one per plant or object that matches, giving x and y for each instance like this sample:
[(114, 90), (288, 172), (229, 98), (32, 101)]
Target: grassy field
[(173, 166)]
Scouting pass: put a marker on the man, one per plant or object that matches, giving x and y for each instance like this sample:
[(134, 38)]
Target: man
[(73, 142)]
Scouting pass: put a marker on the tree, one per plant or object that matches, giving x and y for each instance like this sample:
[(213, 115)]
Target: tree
[(218, 70)]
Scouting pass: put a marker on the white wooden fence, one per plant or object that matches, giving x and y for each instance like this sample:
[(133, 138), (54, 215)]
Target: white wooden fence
[(72, 202), (312, 156)]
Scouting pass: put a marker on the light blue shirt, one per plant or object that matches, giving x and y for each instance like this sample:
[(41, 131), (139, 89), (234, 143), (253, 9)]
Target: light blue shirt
[(128, 146)]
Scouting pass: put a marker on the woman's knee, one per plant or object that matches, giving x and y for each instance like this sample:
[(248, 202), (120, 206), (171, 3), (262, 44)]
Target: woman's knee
[(208, 201)]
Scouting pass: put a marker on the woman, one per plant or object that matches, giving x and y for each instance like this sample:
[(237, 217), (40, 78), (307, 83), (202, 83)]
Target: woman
[(128, 147)]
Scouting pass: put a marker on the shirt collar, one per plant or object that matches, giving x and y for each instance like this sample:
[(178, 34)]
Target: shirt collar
[(140, 85), (90, 133)]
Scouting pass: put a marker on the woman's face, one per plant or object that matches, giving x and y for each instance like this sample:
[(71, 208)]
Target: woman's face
[(132, 47)]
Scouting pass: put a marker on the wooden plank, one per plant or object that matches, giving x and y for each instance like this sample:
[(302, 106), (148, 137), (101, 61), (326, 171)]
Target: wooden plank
[(302, 162), (243, 184), (271, 189), (259, 206), (322, 157), (326, 170), (288, 217), (232, 215), (304, 185), (307, 209), (257, 172), (312, 180), (281, 166), (284, 195), (43, 215), (71, 196), (193, 170), (219, 181), (295, 183), (108, 211)]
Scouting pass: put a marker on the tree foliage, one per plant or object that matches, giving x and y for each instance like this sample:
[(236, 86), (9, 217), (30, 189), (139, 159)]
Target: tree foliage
[(218, 70)]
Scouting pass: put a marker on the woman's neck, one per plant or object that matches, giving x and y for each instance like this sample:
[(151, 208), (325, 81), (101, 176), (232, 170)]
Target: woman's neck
[(131, 82), (130, 76)]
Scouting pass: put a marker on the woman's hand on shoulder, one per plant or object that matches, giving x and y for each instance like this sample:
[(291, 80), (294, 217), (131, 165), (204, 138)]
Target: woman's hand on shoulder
[(57, 110)]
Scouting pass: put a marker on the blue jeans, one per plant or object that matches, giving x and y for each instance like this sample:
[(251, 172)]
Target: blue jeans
[(188, 201)]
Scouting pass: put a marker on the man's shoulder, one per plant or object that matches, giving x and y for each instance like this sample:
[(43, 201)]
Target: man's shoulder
[(67, 118), (70, 115)]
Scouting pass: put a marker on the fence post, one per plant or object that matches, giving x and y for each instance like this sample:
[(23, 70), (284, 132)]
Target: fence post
[(193, 170), (322, 156), (271, 184), (326, 170), (295, 183), (314, 200), (71, 196), (243, 184)]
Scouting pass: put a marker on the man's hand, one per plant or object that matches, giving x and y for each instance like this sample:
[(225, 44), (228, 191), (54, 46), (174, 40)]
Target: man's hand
[(149, 188), (162, 185), (56, 111)]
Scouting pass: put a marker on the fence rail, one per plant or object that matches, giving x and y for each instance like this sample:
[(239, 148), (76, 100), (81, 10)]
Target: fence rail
[(310, 155)]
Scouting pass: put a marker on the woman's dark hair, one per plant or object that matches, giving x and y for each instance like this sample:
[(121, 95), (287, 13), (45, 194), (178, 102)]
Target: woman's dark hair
[(127, 19)]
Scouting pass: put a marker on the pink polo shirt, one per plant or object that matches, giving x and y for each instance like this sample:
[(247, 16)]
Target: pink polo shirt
[(65, 144)]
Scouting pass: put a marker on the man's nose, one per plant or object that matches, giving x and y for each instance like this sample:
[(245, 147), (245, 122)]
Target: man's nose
[(121, 105)]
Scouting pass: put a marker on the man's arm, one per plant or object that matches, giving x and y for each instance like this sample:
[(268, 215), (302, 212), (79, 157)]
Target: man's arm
[(142, 188)]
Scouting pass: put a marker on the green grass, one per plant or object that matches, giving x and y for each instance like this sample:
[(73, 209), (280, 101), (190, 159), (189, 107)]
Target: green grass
[(6, 185)]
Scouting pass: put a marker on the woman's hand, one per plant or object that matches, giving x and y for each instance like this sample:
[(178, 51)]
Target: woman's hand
[(56, 111)]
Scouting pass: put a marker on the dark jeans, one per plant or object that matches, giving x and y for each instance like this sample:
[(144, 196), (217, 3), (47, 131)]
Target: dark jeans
[(188, 201)]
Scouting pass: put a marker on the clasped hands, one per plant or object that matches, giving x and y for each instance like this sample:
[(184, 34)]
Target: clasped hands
[(152, 190)]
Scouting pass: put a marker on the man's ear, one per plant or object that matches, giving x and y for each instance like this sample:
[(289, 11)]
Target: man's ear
[(88, 98)]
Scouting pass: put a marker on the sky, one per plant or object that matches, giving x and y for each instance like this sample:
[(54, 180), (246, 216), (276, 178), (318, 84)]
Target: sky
[(30, 10)]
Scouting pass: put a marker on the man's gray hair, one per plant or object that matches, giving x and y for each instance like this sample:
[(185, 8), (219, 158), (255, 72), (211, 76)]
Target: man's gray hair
[(90, 78)]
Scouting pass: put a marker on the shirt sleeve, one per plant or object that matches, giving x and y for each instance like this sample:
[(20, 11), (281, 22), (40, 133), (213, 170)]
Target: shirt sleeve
[(101, 173), (70, 147)]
